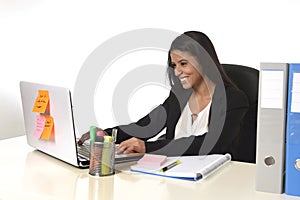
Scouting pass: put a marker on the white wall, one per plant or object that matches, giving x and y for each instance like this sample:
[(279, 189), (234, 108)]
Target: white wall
[(48, 41)]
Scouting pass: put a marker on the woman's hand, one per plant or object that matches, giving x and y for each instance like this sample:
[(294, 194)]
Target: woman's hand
[(83, 138), (132, 145)]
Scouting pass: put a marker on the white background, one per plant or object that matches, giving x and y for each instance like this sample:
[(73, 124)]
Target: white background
[(48, 41)]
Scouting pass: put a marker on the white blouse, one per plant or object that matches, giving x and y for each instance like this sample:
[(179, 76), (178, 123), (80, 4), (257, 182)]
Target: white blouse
[(185, 127)]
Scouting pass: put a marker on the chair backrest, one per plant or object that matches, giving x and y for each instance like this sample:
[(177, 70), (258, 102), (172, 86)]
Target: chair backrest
[(246, 79)]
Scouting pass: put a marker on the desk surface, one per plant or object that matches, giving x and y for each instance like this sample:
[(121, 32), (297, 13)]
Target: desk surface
[(29, 174)]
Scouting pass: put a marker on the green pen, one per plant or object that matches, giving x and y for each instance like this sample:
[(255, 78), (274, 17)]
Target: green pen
[(93, 130)]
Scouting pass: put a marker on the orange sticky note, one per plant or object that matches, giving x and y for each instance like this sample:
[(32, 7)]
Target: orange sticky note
[(41, 101), (39, 127), (47, 128)]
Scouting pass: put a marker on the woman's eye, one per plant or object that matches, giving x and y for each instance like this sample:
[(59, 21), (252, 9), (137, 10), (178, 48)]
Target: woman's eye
[(183, 63)]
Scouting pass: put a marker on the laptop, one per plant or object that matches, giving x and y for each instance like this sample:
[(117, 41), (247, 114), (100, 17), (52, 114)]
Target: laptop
[(62, 143)]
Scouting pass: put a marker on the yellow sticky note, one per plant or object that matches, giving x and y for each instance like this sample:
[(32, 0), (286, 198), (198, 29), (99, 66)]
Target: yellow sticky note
[(39, 127), (48, 128), (41, 101)]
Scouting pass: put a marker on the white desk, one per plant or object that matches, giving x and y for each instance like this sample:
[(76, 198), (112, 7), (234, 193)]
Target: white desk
[(29, 174)]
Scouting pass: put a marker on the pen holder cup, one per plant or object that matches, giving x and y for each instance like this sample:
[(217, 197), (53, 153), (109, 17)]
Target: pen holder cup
[(102, 158)]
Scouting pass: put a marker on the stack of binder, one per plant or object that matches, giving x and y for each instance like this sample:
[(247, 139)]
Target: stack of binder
[(278, 129)]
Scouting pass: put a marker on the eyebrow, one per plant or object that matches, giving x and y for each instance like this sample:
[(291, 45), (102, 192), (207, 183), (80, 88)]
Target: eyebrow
[(180, 60), (183, 60)]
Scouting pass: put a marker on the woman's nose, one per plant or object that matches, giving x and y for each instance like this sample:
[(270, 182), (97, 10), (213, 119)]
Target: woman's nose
[(177, 71)]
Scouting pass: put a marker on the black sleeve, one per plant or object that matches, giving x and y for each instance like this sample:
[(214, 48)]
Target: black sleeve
[(145, 128), (182, 146)]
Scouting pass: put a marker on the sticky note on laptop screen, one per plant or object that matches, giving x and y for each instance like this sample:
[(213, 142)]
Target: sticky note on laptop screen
[(48, 128), (41, 101), (39, 127), (152, 160)]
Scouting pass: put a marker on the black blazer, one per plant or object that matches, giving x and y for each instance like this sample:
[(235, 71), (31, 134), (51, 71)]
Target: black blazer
[(226, 115)]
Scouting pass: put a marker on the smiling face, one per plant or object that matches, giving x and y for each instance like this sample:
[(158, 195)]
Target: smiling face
[(186, 68)]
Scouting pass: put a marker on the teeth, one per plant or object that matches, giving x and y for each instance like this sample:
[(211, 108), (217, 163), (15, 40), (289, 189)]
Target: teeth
[(182, 79)]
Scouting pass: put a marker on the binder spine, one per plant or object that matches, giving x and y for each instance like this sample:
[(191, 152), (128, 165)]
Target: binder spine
[(271, 123), (292, 185)]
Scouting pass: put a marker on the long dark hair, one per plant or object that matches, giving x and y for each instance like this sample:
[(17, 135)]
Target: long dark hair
[(200, 46)]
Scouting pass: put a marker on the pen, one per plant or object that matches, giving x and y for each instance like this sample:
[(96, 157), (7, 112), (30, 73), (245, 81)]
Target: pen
[(93, 130), (177, 162), (107, 155), (114, 134)]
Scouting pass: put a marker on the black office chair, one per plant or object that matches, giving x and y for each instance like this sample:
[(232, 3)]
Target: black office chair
[(246, 79)]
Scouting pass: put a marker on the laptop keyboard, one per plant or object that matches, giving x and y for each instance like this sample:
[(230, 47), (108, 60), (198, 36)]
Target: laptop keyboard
[(83, 151)]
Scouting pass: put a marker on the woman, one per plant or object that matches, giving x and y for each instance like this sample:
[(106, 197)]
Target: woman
[(204, 110)]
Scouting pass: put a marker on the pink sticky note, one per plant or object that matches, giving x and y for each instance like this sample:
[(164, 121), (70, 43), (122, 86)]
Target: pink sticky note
[(152, 160), (39, 127)]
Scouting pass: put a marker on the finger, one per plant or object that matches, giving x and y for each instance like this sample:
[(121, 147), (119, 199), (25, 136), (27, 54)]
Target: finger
[(127, 152), (121, 148), (129, 149), (120, 151)]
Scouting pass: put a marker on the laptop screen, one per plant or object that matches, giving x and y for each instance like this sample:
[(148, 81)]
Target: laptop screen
[(60, 141)]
